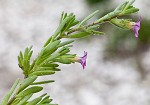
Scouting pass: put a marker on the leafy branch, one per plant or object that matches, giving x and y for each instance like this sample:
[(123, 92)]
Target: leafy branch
[(55, 52)]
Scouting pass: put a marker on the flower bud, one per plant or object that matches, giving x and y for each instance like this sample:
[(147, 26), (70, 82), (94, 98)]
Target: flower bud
[(127, 24)]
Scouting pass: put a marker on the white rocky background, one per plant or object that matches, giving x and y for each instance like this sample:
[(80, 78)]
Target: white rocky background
[(31, 22)]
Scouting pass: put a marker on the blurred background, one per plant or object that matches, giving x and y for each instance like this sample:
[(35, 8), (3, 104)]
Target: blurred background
[(118, 66)]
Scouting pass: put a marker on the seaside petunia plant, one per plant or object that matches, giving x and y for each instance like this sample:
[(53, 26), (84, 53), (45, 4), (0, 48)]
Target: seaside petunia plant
[(55, 52)]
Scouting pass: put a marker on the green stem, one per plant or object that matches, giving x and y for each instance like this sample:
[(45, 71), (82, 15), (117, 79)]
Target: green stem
[(89, 25)]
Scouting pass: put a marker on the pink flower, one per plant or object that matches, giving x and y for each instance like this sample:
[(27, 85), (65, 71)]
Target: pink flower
[(82, 60), (136, 27)]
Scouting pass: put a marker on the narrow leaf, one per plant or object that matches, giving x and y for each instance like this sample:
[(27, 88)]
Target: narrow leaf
[(50, 65), (48, 41), (41, 73), (35, 101), (27, 82), (68, 56), (44, 100), (87, 18), (19, 62), (16, 101), (30, 90), (132, 10), (65, 43), (69, 23), (61, 18), (47, 69), (21, 55), (24, 99), (122, 6), (60, 27), (129, 4), (109, 16), (78, 35), (8, 95), (47, 101), (51, 46), (63, 61), (75, 22), (43, 82)]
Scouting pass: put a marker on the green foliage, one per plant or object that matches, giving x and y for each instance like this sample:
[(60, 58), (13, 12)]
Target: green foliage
[(55, 52), (8, 95), (123, 9), (27, 82), (29, 91), (42, 82), (87, 18), (79, 35), (24, 60), (127, 8)]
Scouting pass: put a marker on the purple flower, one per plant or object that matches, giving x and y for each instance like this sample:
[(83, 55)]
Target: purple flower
[(136, 27), (82, 60)]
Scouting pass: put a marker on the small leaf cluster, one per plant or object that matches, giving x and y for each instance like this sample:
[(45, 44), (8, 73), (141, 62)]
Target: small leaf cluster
[(24, 60), (76, 29), (25, 91), (45, 63), (124, 9), (51, 54), (127, 8)]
